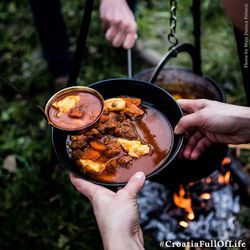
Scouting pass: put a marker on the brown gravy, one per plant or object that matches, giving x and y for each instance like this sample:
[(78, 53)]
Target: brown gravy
[(89, 104), (153, 129)]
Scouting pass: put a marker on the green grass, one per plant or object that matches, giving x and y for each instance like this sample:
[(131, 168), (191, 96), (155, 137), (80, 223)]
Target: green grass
[(41, 212)]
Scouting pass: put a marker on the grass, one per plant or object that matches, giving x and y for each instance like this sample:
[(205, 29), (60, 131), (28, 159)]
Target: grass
[(38, 211)]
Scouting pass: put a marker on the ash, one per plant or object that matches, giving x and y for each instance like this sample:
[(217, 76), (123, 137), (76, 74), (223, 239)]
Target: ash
[(217, 222)]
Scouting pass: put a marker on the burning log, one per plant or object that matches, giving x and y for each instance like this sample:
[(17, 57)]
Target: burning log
[(242, 178)]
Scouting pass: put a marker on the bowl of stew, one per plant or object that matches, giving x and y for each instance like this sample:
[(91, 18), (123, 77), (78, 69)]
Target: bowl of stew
[(134, 133)]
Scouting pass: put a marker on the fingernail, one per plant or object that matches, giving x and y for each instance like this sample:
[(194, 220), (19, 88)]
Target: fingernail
[(177, 130), (139, 175)]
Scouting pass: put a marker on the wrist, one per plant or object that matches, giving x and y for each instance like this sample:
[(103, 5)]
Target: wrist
[(124, 242), (244, 116)]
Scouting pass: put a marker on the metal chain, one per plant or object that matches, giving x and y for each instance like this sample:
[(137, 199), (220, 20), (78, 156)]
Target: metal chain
[(173, 22)]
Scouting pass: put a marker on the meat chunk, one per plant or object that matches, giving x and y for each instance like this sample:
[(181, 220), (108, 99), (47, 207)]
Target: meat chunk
[(104, 118), (76, 113), (76, 154), (113, 148), (125, 160), (121, 117), (79, 144), (106, 140), (77, 137), (125, 129), (111, 166), (95, 133), (109, 126)]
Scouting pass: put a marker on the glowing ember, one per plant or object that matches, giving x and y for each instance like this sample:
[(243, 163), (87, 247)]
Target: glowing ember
[(205, 196), (208, 180), (190, 215), (183, 223)]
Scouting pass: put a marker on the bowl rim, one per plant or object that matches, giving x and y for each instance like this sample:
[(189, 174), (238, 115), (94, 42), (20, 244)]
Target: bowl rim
[(172, 156)]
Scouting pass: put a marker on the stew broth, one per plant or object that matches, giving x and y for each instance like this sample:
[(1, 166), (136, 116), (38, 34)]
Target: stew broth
[(153, 129), (75, 110)]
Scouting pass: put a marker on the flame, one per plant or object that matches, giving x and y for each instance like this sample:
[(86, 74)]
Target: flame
[(226, 161), (183, 223), (227, 177), (205, 196), (190, 215), (224, 179), (183, 202)]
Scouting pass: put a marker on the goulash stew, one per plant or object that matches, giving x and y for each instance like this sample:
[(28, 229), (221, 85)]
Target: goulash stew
[(75, 110), (128, 138)]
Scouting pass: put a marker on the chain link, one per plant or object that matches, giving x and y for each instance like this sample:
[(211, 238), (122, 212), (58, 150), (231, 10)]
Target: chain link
[(172, 39)]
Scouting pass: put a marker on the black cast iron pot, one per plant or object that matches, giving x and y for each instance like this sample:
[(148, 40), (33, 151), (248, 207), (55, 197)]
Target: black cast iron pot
[(151, 95)]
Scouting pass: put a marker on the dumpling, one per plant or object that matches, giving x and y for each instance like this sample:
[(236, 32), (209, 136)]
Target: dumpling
[(67, 103), (115, 104), (134, 147), (91, 166)]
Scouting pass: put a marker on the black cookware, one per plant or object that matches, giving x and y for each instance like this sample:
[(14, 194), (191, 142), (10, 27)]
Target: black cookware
[(151, 95)]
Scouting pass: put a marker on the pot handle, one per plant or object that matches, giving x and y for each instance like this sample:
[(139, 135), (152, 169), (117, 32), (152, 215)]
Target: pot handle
[(173, 52)]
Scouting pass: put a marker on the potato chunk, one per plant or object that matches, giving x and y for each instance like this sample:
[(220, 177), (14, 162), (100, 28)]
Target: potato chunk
[(91, 167), (115, 104), (67, 103), (134, 147)]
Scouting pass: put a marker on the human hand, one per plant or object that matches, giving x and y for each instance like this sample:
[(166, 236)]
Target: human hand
[(210, 122), (119, 23), (116, 213)]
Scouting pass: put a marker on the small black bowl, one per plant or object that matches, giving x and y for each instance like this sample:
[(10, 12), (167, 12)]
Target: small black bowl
[(150, 94)]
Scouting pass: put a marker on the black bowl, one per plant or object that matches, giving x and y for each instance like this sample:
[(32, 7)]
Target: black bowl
[(151, 95)]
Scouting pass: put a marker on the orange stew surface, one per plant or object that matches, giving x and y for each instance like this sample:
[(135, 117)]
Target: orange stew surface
[(75, 110)]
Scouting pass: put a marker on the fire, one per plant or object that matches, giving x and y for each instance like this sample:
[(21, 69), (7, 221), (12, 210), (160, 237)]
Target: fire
[(226, 161), (205, 196), (184, 202), (224, 179), (227, 177), (183, 223)]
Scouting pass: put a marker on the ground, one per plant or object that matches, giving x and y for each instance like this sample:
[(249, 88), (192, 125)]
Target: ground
[(43, 211)]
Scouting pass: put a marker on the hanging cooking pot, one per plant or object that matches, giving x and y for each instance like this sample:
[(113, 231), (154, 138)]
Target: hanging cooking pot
[(184, 83)]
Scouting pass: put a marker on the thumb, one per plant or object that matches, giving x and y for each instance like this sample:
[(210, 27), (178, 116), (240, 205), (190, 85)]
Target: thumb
[(193, 120), (135, 183)]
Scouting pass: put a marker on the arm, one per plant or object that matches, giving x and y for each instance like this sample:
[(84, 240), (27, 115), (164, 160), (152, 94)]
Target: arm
[(116, 213), (119, 23), (210, 122)]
